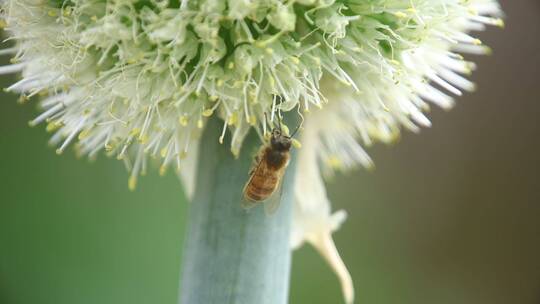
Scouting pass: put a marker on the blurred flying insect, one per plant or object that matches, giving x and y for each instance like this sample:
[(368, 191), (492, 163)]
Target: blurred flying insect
[(268, 169)]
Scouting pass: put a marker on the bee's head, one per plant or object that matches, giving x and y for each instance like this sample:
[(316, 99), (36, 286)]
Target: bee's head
[(279, 141)]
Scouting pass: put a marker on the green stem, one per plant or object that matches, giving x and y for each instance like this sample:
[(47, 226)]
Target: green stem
[(232, 255)]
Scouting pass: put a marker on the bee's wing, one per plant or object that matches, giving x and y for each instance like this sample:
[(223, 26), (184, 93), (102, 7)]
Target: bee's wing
[(271, 205), (245, 202)]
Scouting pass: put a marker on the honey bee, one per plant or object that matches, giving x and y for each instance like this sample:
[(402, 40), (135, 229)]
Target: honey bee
[(267, 171)]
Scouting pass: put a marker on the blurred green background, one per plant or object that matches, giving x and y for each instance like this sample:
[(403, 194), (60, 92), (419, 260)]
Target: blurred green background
[(449, 216)]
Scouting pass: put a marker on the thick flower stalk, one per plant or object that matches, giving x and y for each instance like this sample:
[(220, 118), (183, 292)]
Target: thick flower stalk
[(138, 79)]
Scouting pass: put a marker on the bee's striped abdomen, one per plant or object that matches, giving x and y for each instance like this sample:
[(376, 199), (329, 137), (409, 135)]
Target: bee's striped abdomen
[(262, 185)]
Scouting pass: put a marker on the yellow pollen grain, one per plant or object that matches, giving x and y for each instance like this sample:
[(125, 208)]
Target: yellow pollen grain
[(200, 123)]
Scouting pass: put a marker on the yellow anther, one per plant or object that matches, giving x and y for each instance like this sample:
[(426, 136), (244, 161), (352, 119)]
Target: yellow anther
[(285, 129), (272, 82), (230, 65), (132, 182), (233, 119), (84, 134), (143, 139), (208, 112), (238, 83), (183, 120), (296, 143), (52, 13), (162, 170), (22, 99), (334, 162), (135, 132), (53, 126), (269, 51), (400, 14), (252, 120), (163, 152), (200, 123)]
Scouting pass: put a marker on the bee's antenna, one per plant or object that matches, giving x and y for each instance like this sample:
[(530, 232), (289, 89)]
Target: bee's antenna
[(279, 120)]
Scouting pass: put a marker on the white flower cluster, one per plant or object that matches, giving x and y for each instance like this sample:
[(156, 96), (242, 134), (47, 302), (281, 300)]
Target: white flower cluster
[(138, 78)]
